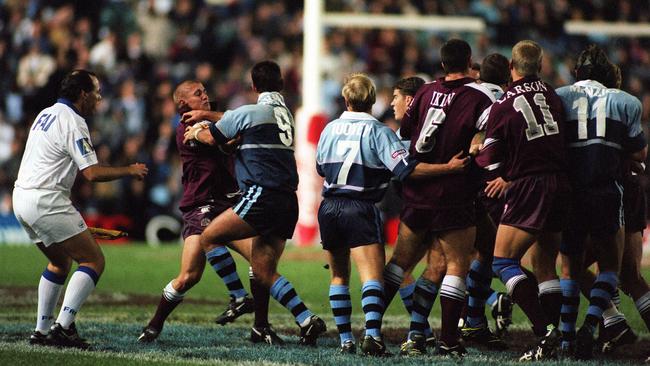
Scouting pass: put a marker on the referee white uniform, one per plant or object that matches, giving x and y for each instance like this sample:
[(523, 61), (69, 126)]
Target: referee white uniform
[(58, 147)]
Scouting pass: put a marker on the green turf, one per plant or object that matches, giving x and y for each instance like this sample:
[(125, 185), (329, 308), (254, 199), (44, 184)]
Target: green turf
[(127, 295)]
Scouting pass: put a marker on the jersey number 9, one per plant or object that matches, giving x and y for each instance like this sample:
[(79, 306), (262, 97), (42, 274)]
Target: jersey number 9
[(285, 124)]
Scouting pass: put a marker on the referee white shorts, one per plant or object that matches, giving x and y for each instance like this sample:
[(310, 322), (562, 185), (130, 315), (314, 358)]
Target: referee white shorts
[(47, 216)]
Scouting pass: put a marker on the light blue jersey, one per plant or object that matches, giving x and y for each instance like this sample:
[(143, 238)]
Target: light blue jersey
[(357, 155), (602, 124), (495, 89), (265, 155)]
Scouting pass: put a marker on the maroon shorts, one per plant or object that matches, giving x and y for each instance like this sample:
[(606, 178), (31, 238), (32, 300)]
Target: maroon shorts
[(537, 203), (439, 219), (196, 219), (634, 201), (491, 206)]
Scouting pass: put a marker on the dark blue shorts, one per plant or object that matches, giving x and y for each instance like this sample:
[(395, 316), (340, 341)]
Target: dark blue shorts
[(596, 211), (634, 201), (349, 223), (269, 212), (196, 219)]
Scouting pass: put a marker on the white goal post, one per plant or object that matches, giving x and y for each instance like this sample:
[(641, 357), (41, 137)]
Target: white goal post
[(315, 20), (610, 29)]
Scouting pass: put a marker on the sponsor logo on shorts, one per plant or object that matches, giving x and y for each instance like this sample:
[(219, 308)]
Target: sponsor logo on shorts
[(398, 153), (205, 222)]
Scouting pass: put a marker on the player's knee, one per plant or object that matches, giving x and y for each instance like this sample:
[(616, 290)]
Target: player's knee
[(97, 262), (266, 278), (100, 263), (435, 270), (630, 282), (60, 267), (204, 241)]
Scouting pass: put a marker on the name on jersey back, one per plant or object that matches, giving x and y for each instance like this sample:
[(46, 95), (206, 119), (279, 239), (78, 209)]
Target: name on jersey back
[(534, 86), (351, 129)]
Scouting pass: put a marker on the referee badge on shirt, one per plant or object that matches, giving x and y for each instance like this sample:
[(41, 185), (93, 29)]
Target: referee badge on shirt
[(84, 146)]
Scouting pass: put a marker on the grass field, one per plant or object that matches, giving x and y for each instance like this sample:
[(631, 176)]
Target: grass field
[(129, 291)]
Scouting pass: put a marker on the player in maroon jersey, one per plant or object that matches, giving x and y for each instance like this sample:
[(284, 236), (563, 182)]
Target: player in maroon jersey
[(209, 188), (439, 212), (524, 137)]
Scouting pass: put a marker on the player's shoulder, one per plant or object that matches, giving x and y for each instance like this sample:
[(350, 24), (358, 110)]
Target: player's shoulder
[(565, 90), (247, 108), (625, 98), (480, 90), (65, 115)]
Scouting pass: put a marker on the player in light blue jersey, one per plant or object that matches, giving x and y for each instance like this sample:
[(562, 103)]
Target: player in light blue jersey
[(268, 210), (603, 127), (357, 155)]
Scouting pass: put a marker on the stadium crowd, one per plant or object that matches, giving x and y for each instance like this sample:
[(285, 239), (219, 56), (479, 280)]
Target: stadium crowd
[(142, 49), (554, 200)]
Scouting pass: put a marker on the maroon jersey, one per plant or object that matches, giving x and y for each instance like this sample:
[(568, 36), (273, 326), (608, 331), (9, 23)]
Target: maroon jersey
[(440, 122), (207, 173), (523, 131)]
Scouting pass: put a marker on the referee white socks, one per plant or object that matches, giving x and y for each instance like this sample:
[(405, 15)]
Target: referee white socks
[(81, 285), (49, 291)]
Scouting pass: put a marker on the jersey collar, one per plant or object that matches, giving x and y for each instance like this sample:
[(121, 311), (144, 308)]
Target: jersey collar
[(69, 104), (493, 87), (589, 83), (357, 116), (272, 98)]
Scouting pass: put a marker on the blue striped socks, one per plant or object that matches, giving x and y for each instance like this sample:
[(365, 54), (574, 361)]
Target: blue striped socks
[(478, 283), (284, 293), (342, 311), (600, 297), (372, 301), (223, 263), (423, 299), (569, 310)]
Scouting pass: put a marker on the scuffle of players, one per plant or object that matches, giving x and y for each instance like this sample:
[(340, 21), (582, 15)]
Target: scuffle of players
[(490, 167)]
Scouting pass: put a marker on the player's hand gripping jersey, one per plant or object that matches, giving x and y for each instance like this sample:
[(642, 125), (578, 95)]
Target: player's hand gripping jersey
[(265, 156), (207, 172)]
